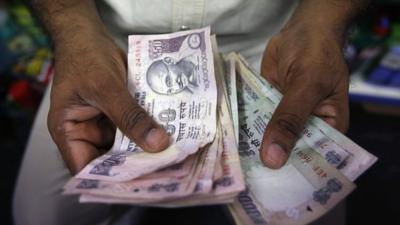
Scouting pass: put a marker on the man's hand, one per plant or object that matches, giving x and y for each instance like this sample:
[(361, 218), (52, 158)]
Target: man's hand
[(305, 62), (89, 96)]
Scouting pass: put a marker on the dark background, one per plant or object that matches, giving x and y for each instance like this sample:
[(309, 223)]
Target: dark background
[(375, 201)]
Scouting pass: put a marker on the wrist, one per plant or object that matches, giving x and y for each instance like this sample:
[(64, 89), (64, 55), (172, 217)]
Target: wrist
[(67, 21), (329, 18)]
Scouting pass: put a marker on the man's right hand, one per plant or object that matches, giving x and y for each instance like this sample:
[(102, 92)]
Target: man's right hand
[(89, 98)]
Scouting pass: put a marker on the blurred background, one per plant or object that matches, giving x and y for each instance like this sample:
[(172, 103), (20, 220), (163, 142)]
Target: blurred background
[(372, 53)]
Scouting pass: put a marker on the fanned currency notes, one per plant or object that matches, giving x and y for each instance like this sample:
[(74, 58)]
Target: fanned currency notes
[(215, 109), (210, 172), (319, 172), (336, 148), (172, 77)]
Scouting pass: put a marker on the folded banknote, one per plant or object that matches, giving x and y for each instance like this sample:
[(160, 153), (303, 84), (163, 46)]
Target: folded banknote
[(215, 108)]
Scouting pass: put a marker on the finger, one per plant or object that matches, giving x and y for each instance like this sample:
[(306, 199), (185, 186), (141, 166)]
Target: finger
[(97, 131), (77, 154), (269, 64), (286, 124), (134, 122), (328, 113), (335, 113), (73, 140)]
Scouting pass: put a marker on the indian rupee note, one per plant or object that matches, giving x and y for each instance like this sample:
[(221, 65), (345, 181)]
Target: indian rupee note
[(151, 189), (315, 181), (230, 82), (298, 193), (336, 148), (172, 77)]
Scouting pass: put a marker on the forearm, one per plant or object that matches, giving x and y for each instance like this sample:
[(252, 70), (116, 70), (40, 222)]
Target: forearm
[(66, 19), (327, 16)]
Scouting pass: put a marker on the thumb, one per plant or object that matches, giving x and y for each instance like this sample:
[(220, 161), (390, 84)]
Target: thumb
[(286, 125), (135, 123)]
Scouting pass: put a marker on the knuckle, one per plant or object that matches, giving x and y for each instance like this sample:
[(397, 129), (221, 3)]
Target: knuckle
[(320, 87), (107, 87), (289, 125), (101, 85), (132, 117), (50, 121), (310, 79), (344, 127), (55, 129)]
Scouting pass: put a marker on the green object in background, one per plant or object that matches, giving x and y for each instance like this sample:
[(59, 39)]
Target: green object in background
[(394, 37), (7, 27), (24, 19), (363, 37), (25, 47)]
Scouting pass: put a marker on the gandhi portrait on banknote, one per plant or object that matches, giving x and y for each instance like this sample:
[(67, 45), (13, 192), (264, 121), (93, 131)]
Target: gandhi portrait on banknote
[(168, 77), (171, 75)]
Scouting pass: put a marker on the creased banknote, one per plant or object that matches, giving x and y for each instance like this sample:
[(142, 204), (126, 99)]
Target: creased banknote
[(215, 110), (230, 82), (313, 180), (336, 148), (172, 77)]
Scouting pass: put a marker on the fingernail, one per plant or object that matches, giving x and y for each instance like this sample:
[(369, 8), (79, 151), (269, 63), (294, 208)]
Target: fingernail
[(157, 139), (275, 156)]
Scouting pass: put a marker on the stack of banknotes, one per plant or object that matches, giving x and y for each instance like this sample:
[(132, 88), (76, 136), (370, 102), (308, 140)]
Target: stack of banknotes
[(215, 108)]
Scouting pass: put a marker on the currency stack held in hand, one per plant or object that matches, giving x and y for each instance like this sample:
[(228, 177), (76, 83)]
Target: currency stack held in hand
[(215, 108)]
